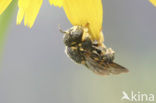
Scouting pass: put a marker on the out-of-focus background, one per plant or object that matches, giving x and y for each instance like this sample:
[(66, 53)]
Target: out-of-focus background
[(35, 69)]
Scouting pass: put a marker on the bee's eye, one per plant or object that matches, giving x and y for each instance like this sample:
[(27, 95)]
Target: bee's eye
[(77, 32), (67, 39), (74, 36)]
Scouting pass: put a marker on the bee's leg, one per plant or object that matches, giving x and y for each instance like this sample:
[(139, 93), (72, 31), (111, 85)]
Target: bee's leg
[(87, 44), (85, 33)]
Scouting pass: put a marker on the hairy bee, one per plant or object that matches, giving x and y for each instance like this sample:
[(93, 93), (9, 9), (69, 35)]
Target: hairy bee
[(96, 57)]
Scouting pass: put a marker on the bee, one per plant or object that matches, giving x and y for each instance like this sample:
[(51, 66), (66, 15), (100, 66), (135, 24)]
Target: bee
[(95, 56)]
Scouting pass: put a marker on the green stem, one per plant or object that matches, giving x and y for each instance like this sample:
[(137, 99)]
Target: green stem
[(5, 20)]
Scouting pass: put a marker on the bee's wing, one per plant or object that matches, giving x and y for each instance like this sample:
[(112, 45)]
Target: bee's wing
[(103, 68), (117, 69)]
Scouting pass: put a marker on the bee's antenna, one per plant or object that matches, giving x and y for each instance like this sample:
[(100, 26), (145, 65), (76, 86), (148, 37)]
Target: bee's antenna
[(60, 29)]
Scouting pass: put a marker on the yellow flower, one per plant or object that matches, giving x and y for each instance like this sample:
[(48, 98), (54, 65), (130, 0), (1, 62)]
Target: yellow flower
[(86, 13), (153, 2), (28, 9)]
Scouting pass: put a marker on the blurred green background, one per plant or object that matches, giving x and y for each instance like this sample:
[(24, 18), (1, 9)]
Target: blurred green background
[(35, 68)]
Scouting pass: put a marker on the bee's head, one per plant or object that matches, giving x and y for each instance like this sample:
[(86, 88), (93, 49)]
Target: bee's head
[(73, 36)]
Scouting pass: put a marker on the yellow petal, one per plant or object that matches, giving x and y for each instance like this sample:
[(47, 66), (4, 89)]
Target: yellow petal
[(153, 2), (86, 13), (3, 5), (58, 3), (28, 10)]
